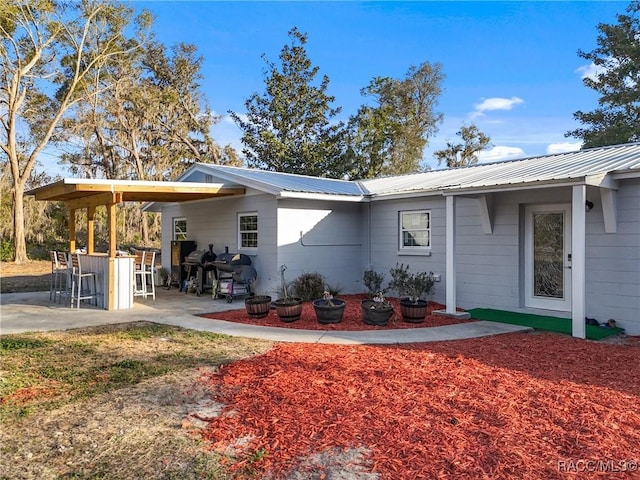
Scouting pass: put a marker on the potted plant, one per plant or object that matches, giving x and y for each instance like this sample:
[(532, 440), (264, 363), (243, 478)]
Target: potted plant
[(376, 310), (329, 309), (163, 274), (288, 308), (257, 306), (411, 288)]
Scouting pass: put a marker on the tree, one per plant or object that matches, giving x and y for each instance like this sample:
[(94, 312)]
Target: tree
[(617, 58), (289, 128), (390, 138), (144, 118), (48, 50), (465, 153)]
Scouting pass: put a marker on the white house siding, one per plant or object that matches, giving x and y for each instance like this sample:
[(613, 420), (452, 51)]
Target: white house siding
[(216, 221), (613, 265), (385, 239), (332, 243)]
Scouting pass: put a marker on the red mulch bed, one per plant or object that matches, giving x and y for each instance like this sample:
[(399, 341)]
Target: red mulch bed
[(525, 406), (352, 319)]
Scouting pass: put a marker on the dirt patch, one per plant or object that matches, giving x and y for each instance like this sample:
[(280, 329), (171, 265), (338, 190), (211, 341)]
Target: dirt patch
[(100, 437), (110, 402), (33, 276)]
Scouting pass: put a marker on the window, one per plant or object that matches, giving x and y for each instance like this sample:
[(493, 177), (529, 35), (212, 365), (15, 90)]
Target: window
[(415, 230), (248, 230), (179, 228)]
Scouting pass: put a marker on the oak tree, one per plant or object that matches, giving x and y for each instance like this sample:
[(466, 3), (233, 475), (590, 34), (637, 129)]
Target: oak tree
[(389, 137), (48, 49), (465, 153)]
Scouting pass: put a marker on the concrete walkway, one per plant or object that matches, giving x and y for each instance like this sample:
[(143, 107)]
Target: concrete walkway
[(27, 312)]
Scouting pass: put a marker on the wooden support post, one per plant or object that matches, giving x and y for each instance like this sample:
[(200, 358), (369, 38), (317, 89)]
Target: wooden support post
[(91, 212), (72, 230), (110, 293), (111, 220)]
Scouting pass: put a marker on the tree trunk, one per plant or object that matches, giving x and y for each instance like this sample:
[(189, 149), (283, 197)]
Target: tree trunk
[(19, 242)]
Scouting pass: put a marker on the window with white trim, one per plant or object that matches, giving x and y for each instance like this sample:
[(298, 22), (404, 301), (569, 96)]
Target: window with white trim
[(415, 230), (248, 230), (180, 228)]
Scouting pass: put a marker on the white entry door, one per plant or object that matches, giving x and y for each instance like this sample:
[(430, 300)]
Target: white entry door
[(547, 264)]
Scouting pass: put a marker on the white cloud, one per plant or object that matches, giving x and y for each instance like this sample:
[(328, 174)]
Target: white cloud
[(563, 147), (500, 152), (497, 103), (591, 71)]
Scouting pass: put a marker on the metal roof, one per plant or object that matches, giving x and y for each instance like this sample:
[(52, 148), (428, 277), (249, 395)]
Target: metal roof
[(571, 166), (277, 182)]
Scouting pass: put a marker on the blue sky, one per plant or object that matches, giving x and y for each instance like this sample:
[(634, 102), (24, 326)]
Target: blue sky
[(511, 67)]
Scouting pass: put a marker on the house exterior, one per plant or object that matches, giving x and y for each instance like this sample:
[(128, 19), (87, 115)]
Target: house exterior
[(556, 234)]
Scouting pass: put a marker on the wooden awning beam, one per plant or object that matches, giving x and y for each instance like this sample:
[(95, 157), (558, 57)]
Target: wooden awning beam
[(93, 201)]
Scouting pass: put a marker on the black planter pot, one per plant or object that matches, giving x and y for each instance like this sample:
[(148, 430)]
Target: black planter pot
[(258, 306), (375, 316), (288, 310), (413, 312), (327, 313)]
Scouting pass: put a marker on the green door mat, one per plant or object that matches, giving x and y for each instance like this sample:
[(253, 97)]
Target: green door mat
[(540, 322)]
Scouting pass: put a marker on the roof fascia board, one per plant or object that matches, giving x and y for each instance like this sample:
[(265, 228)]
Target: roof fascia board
[(402, 195), (323, 196), (626, 175), (511, 187)]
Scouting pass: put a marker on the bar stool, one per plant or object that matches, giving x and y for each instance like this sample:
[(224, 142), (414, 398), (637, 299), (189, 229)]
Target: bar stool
[(77, 278), (56, 274), (138, 274), (64, 276), (148, 276)]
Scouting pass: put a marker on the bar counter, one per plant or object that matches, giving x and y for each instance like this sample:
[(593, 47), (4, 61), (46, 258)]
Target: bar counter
[(115, 279)]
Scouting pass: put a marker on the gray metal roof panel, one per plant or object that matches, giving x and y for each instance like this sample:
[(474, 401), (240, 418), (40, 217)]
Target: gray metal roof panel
[(287, 181), (563, 166), (548, 168)]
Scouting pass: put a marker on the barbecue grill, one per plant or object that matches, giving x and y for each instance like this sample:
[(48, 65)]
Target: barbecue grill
[(234, 275), (200, 269)]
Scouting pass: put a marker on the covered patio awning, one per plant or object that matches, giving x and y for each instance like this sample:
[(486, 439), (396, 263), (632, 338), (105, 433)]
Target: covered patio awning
[(87, 193)]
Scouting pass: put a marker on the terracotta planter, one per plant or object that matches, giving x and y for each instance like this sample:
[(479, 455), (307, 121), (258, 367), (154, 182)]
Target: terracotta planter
[(375, 316), (288, 310), (258, 306), (327, 313), (413, 312)]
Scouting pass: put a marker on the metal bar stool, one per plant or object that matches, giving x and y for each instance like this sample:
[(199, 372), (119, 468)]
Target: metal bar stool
[(148, 276), (138, 275), (55, 269), (89, 292), (63, 288)]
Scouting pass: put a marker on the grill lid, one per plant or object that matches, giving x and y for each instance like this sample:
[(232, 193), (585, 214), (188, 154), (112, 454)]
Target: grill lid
[(195, 257)]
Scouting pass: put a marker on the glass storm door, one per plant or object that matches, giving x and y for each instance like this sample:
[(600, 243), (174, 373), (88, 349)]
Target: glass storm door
[(548, 257)]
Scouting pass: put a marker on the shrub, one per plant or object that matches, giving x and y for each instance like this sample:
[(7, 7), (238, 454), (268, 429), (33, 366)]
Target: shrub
[(373, 281), (309, 286), (6, 251), (412, 285)]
